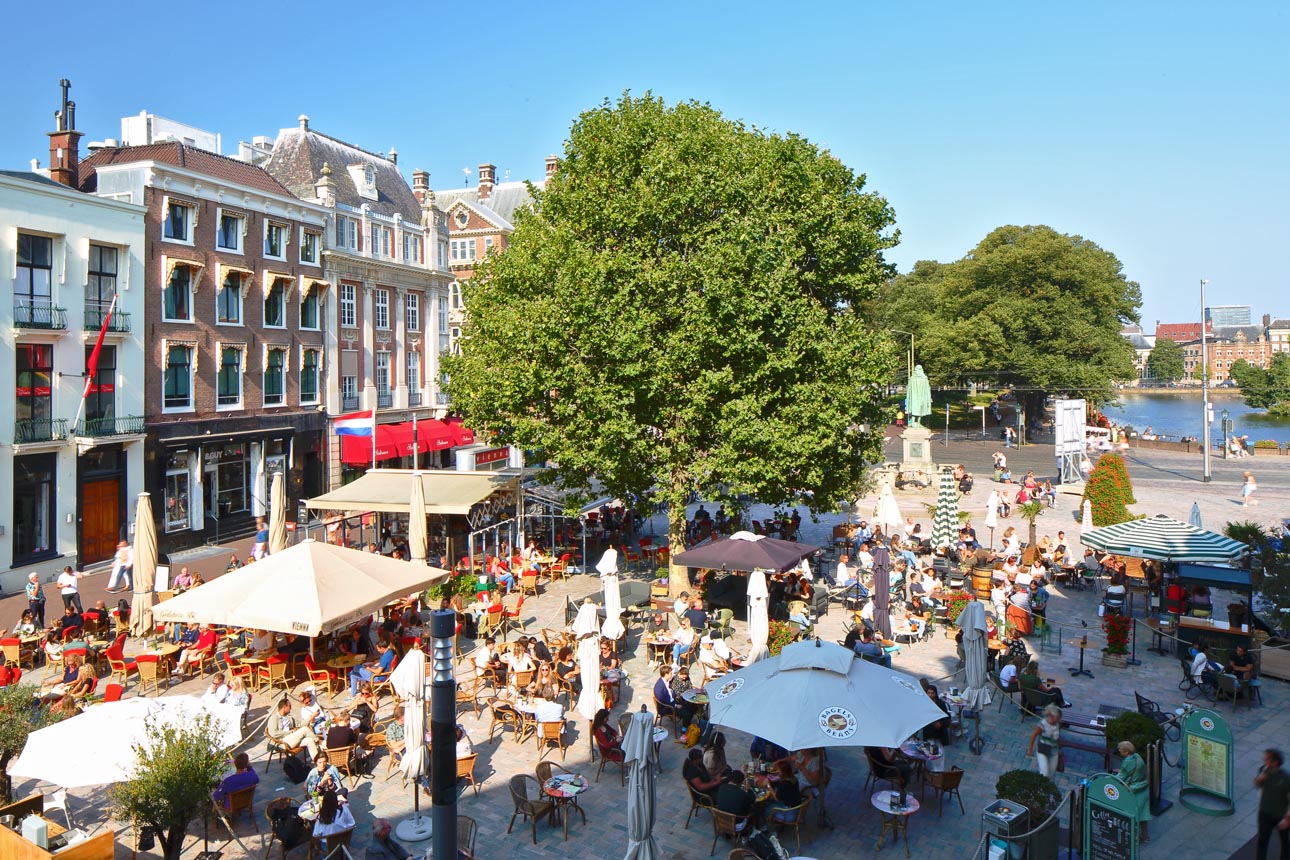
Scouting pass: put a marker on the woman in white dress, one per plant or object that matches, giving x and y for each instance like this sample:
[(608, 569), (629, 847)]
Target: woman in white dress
[(1044, 741)]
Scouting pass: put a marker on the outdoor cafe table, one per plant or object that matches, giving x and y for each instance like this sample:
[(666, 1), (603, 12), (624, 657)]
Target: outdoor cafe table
[(345, 661), (659, 648), (660, 735), (894, 819), (697, 697), (564, 789), (923, 761)]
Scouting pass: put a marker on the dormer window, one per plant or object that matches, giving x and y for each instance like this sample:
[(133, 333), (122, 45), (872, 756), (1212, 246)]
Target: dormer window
[(463, 218), (364, 178)]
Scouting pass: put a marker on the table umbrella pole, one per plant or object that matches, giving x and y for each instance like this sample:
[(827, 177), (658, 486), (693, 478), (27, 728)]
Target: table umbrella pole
[(443, 735)]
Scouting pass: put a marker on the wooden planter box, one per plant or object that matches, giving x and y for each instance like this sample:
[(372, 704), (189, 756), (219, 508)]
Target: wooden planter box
[(1119, 661)]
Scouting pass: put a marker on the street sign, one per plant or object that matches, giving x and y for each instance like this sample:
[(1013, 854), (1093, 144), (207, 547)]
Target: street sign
[(1110, 825), (1206, 764)]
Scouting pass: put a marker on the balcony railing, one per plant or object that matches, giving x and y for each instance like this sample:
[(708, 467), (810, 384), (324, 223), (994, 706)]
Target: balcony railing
[(94, 315), (384, 400), (414, 398), (30, 430), (121, 425), (442, 399), (27, 314), (349, 404)]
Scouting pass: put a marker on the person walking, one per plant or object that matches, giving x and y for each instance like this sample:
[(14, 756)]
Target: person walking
[(1274, 804), (36, 599), (69, 588), (1044, 741), (1248, 486), (1134, 773), (122, 569)]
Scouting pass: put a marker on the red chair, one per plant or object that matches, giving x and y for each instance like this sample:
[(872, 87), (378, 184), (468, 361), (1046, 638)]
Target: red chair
[(113, 693), (233, 668), (117, 661), (71, 634), (630, 556), (321, 676)]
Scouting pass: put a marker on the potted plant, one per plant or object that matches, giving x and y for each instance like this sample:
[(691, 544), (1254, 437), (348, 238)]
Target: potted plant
[(1029, 512), (780, 634), (1138, 729), (1116, 652), (954, 604), (1040, 796)]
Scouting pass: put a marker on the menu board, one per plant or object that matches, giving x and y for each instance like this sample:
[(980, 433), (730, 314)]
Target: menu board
[(1110, 834), (1207, 764), (1207, 747)]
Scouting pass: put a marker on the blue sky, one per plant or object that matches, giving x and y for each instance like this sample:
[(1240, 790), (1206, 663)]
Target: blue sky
[(1159, 130)]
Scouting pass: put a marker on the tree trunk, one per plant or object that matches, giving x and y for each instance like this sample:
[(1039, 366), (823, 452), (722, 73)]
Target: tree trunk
[(6, 784), (678, 576), (1032, 531)]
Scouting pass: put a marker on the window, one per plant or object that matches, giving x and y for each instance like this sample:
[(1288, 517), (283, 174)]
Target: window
[(411, 248), (228, 304), (275, 377), (414, 370), (230, 477), (382, 240), (275, 240), (443, 315), (382, 373), (101, 286), (463, 249), (33, 287), (309, 376), (178, 224), (275, 306), (229, 234), (488, 244), (346, 233), (443, 255), (228, 384), (413, 314), (35, 363), (348, 388), (176, 516), (309, 309), (454, 294), (348, 306), (178, 378), (34, 490), (381, 309), (309, 246), (100, 398), (177, 297)]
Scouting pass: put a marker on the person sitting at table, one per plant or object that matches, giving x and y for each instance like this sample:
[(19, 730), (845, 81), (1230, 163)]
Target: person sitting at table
[(696, 615), (688, 712), (238, 696), (871, 649), (732, 797), (681, 604), (785, 794), (342, 734), (608, 741), (1242, 664), (1011, 670), (263, 642), (682, 640), (191, 656), (807, 764), (283, 729), (991, 628), (84, 682), (1201, 605), (364, 708), (940, 729), (544, 684), (217, 692), (242, 777), (53, 646), (26, 625), (65, 706), (1016, 646), (1203, 669), (657, 625), (566, 669), (1039, 599), (713, 666), (379, 666), (487, 661), (1030, 680), (727, 655), (324, 777), (714, 754), (383, 846), (517, 660), (71, 620), (311, 712), (696, 776), (887, 757), (333, 817), (499, 573), (233, 563)]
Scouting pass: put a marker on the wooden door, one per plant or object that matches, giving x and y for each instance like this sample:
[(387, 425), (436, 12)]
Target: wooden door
[(100, 519)]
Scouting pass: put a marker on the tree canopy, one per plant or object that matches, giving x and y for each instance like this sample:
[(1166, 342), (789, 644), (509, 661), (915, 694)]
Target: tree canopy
[(1265, 389), (1166, 360), (19, 717), (1028, 307), (677, 312)]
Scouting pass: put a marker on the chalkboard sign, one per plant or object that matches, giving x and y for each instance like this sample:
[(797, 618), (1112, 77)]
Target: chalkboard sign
[(1110, 825)]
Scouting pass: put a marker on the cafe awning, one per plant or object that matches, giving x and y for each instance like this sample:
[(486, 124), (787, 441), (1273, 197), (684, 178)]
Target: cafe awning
[(397, 440), (390, 491)]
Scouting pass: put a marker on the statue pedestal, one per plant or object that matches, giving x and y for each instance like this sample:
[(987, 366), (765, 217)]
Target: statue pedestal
[(916, 450)]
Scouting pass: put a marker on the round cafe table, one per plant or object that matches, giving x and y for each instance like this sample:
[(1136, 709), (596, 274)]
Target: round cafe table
[(660, 735), (563, 789), (660, 648), (345, 661), (895, 821)]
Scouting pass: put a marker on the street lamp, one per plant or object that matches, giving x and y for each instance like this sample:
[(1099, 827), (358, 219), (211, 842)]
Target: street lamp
[(1226, 427), (911, 350), (1204, 384)]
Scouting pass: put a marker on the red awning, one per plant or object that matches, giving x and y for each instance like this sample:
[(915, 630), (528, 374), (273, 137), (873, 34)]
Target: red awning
[(396, 440), (464, 436)]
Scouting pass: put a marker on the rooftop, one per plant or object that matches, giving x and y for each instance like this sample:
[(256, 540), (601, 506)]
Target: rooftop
[(299, 154), (501, 205), (187, 157)]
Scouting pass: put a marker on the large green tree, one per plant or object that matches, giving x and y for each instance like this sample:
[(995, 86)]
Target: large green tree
[(20, 715), (676, 314), (1265, 389), (1166, 360), (1028, 307)]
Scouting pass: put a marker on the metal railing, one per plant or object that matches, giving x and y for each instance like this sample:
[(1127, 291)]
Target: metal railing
[(349, 404), (119, 425), (414, 398), (442, 399), (27, 430), (28, 314), (384, 400), (95, 314)]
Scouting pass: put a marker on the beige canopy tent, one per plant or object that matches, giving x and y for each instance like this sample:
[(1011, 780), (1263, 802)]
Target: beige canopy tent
[(308, 589), (390, 491)]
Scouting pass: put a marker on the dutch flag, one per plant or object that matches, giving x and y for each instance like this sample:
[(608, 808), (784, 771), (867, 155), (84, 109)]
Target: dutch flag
[(357, 424)]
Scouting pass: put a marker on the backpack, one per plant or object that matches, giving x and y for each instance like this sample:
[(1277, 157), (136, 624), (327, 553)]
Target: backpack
[(295, 769), (765, 844), (288, 827)]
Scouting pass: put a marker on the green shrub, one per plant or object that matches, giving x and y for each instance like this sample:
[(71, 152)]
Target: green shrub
[(1032, 790), (1138, 729), (1110, 491), (1267, 443)]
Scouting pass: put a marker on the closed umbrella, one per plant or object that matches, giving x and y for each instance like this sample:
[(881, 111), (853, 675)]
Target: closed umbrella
[(612, 628), (758, 617), (1086, 520), (887, 512), (945, 522), (418, 539), (992, 514), (638, 750), (971, 621), (586, 628), (409, 681), (882, 590), (145, 568), (1194, 519), (277, 514)]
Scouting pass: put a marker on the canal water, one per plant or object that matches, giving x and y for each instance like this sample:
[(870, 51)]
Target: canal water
[(1175, 413)]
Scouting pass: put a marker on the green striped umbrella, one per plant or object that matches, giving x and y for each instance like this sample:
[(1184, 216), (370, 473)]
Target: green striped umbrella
[(1164, 539), (945, 523)]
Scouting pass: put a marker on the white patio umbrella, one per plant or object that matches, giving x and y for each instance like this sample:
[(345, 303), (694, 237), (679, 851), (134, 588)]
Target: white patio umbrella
[(409, 681), (992, 514), (638, 749), (586, 627), (145, 568), (1086, 521), (96, 747), (612, 628), (758, 617), (971, 621), (887, 511), (277, 514), (820, 694), (1195, 519), (418, 538)]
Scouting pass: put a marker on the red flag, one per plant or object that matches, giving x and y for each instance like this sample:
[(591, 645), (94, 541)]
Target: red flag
[(92, 365)]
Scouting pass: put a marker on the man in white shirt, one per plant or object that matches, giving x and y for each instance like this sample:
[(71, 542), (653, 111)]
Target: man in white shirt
[(1008, 677), (69, 589), (217, 692), (681, 604), (804, 567), (1022, 580)]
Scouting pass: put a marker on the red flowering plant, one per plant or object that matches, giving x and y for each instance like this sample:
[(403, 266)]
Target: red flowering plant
[(1117, 633), (954, 604), (1110, 491)]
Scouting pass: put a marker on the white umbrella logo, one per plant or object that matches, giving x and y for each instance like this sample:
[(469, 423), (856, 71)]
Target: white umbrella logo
[(728, 688), (838, 723)]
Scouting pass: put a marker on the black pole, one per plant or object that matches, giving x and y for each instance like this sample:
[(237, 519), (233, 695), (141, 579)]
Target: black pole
[(1133, 658), (443, 735)]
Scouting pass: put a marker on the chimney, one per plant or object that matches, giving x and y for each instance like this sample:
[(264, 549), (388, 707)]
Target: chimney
[(420, 184), (1267, 320), (487, 179), (304, 122), (64, 143), (552, 165), (394, 156)]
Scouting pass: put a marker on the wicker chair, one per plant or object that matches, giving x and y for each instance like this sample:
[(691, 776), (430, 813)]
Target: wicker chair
[(793, 817), (551, 735), (466, 770), (946, 784), (727, 824), (530, 802), (697, 801), (467, 830), (340, 758), (151, 672)]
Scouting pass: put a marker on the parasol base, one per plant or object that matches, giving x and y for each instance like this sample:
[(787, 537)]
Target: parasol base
[(415, 829)]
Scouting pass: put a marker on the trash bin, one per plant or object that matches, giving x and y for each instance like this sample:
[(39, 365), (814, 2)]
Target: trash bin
[(1004, 819)]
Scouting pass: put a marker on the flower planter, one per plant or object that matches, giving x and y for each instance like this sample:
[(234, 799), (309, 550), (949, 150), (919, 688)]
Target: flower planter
[(1118, 661)]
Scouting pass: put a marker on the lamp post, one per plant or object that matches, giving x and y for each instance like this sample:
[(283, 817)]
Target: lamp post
[(1204, 384), (1226, 427), (443, 735), (911, 351)]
